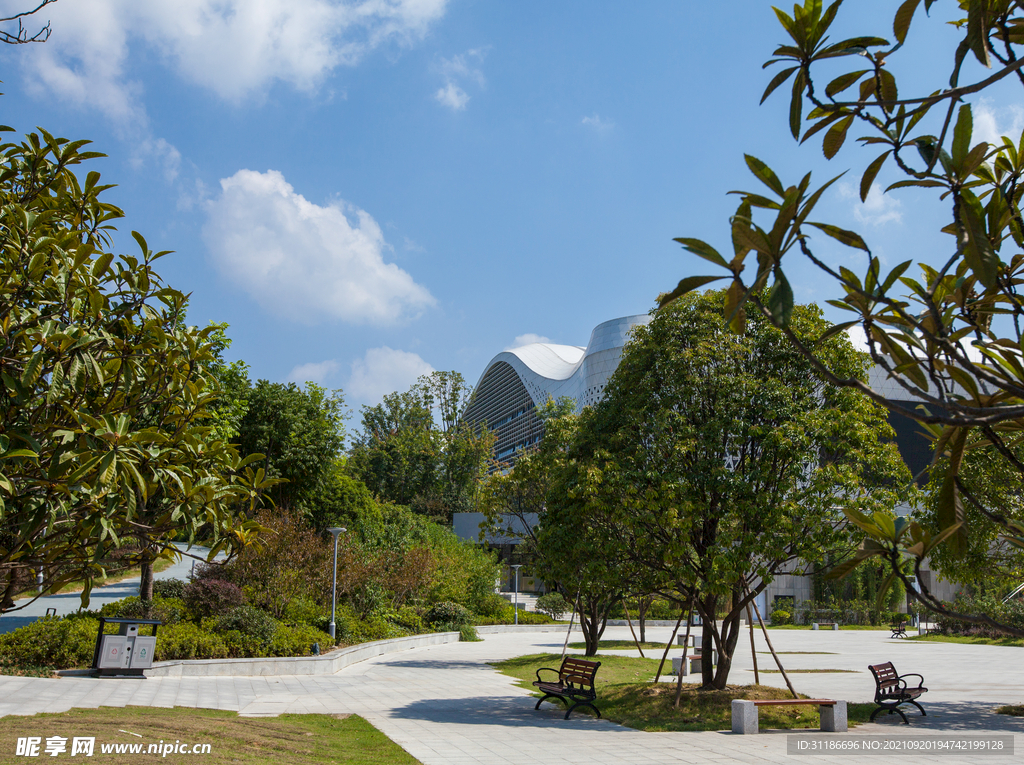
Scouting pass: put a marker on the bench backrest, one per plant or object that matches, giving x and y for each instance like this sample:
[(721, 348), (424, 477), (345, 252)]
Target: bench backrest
[(886, 676), (578, 672)]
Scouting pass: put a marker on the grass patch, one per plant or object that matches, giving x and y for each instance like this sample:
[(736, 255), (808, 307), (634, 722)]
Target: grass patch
[(1012, 710), (626, 695), (284, 740), (1010, 641), (614, 645)]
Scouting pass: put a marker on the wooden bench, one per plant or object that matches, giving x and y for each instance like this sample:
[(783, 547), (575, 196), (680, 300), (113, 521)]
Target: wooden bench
[(744, 713), (891, 690), (574, 686), (899, 630)]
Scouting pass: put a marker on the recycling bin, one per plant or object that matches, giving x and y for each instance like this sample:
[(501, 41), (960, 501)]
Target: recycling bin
[(127, 653)]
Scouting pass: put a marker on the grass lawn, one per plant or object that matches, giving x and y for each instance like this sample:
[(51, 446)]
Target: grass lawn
[(1012, 641), (284, 740), (626, 695)]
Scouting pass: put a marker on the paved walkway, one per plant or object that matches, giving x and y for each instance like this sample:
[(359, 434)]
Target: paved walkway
[(447, 706), (68, 602)]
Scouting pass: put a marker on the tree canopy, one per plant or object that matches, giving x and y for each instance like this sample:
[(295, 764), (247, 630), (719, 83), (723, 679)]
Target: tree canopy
[(104, 391), (951, 337), (718, 460)]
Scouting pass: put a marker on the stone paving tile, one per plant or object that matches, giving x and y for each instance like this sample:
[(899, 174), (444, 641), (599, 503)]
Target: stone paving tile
[(446, 706)]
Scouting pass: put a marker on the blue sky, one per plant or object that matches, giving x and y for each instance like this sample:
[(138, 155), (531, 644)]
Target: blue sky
[(366, 190)]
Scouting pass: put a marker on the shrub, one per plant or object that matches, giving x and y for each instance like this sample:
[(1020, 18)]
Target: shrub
[(780, 616), (410, 618), (467, 634), (212, 597), (302, 611), (167, 610), (250, 621), (169, 588), (491, 606), (552, 604), (297, 641), (188, 641), (448, 615), (61, 643)]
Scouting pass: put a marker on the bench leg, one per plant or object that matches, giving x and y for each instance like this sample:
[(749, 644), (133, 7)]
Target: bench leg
[(833, 717), (923, 713), (744, 716), (550, 696), (569, 711), (889, 710)]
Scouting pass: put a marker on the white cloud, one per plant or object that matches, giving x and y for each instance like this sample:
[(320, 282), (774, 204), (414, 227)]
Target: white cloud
[(457, 71), (384, 370), (598, 123), (991, 122), (877, 209), (452, 96), (527, 339), (306, 261), (317, 372), (235, 48)]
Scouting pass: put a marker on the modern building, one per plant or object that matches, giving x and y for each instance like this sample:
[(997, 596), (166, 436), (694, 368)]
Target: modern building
[(518, 380)]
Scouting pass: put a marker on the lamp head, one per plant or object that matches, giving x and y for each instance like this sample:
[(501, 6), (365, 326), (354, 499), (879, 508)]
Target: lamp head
[(335, 530)]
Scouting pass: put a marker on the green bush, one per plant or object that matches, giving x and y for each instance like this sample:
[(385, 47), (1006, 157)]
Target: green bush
[(298, 641), (781, 616), (467, 634), (166, 610), (448, 614), (300, 611), (187, 640), (169, 588), (552, 604), (491, 606), (61, 643), (410, 618), (250, 621)]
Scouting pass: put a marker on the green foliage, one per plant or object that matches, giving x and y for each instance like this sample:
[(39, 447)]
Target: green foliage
[(446, 616), (780, 616), (52, 642), (468, 634), (167, 610), (301, 433), (169, 588), (188, 640), (250, 621), (553, 604), (728, 450), (104, 391), (1010, 614), (407, 456), (951, 335)]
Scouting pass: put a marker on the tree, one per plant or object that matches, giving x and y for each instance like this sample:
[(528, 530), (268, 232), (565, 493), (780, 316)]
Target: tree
[(408, 456), (103, 389), (22, 36), (951, 338), (717, 461), (301, 434)]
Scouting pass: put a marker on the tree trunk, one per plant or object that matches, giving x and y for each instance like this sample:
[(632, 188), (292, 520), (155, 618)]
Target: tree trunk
[(593, 613), (642, 607), (146, 585)]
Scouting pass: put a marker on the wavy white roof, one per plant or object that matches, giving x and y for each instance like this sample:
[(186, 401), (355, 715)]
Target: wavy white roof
[(551, 370)]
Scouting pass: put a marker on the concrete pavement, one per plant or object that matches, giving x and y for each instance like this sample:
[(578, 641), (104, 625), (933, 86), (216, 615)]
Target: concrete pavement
[(447, 706)]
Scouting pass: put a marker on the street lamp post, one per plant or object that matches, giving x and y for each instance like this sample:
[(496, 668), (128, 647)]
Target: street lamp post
[(517, 566), (335, 531)]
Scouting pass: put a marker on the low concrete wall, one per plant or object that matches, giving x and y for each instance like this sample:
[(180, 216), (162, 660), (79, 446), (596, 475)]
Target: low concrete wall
[(326, 664)]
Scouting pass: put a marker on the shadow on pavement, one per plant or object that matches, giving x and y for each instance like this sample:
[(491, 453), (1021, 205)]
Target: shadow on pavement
[(946, 716), (501, 710)]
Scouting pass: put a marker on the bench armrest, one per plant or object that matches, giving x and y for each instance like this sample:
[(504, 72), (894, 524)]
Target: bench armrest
[(547, 669), (903, 679)]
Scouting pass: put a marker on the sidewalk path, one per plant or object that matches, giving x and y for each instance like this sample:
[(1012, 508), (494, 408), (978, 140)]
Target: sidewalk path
[(69, 602), (447, 706)]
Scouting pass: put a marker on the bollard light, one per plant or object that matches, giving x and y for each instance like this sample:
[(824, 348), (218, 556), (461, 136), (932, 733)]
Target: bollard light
[(515, 588)]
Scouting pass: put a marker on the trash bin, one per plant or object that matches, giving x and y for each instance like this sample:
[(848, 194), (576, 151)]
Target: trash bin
[(127, 653)]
